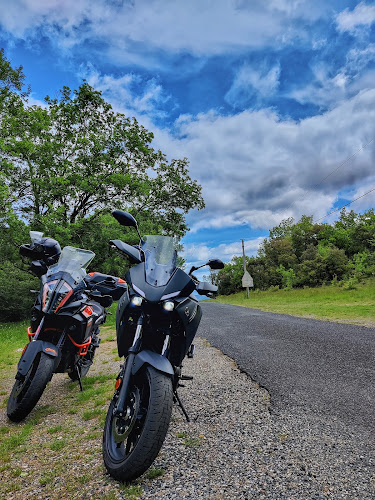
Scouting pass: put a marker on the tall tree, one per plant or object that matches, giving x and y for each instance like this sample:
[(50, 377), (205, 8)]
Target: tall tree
[(77, 158)]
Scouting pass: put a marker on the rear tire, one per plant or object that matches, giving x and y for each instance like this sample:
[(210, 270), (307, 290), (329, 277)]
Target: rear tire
[(151, 398), (83, 365), (27, 392)]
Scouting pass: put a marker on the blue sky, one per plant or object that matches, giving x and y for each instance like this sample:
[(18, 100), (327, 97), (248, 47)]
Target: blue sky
[(265, 99)]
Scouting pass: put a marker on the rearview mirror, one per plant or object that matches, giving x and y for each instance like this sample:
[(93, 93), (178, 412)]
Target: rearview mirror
[(124, 218), (215, 264)]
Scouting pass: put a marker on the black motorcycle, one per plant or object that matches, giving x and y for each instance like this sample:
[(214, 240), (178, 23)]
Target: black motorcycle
[(65, 320), (156, 321)]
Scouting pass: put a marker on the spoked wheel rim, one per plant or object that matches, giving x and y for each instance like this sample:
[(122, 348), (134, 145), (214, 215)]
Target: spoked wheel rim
[(126, 432)]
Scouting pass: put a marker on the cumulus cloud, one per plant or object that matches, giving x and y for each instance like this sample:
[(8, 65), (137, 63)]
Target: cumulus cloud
[(255, 168), (362, 16)]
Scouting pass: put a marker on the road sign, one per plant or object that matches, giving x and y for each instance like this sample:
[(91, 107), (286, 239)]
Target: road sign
[(247, 280)]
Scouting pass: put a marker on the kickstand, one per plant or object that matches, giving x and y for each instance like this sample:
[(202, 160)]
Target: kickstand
[(79, 377), (181, 406)]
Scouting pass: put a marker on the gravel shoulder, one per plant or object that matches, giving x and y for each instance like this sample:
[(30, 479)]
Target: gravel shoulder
[(235, 447)]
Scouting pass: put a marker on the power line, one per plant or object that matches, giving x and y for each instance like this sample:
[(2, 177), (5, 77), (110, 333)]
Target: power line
[(350, 202), (343, 163)]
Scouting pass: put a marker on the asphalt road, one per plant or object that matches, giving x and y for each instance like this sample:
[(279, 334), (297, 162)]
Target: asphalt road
[(308, 366)]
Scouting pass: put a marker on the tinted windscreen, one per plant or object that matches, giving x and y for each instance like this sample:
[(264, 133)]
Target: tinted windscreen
[(160, 259)]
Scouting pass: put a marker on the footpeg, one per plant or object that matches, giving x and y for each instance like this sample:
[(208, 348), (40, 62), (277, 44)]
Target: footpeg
[(186, 377)]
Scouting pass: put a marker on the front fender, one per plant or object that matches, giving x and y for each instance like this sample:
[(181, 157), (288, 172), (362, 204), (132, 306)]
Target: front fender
[(153, 359), (32, 349)]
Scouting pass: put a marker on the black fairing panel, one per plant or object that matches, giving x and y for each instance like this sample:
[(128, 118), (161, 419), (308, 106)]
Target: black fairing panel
[(190, 314), (179, 282), (121, 306)]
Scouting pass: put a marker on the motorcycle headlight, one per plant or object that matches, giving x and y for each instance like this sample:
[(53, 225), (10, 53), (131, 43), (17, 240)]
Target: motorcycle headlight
[(168, 305), (136, 300), (47, 293), (64, 293)]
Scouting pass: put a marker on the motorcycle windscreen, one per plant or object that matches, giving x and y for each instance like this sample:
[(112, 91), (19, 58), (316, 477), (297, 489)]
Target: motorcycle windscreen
[(73, 261), (160, 259)]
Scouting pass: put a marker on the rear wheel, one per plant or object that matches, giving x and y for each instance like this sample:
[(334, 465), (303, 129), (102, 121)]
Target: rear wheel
[(27, 391), (131, 443)]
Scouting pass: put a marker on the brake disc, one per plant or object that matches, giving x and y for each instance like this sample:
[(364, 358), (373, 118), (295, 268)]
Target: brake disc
[(122, 426)]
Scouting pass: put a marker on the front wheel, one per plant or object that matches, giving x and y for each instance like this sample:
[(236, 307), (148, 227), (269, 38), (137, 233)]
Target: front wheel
[(27, 391), (131, 443)]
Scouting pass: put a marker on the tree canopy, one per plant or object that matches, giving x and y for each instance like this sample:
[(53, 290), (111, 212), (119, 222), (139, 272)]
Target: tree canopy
[(302, 253), (77, 158)]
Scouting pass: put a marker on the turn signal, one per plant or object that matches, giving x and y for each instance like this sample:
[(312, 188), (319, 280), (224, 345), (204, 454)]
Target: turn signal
[(87, 311)]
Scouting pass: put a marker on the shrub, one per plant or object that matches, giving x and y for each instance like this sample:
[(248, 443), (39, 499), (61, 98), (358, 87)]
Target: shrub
[(15, 297)]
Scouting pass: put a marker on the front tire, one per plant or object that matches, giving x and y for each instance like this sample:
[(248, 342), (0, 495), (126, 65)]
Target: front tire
[(129, 455), (27, 392)]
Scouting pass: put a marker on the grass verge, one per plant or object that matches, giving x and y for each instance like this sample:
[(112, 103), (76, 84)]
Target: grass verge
[(56, 452), (330, 302)]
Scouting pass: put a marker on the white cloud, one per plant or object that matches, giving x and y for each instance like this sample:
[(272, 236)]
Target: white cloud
[(366, 200), (357, 58), (253, 83), (199, 27), (128, 93), (32, 101), (327, 90), (362, 16), (256, 169)]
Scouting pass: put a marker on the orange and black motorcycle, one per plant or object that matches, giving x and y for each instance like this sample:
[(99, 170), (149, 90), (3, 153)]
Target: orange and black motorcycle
[(65, 319)]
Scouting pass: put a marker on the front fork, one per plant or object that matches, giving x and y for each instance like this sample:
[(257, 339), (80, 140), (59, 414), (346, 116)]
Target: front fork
[(124, 387)]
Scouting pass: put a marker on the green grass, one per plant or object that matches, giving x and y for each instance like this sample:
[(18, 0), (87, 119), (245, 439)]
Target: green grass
[(11, 442), (154, 473), (53, 430), (12, 337), (131, 492), (90, 414), (57, 444), (330, 302)]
